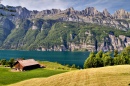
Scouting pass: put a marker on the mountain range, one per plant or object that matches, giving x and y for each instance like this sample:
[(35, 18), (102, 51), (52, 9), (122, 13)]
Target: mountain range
[(63, 30)]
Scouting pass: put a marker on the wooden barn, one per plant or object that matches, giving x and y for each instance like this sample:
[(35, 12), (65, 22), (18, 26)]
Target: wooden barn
[(26, 64)]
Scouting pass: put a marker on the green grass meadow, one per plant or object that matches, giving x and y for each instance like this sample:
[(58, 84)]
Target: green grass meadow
[(8, 77)]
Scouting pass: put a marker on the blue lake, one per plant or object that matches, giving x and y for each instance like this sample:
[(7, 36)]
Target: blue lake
[(70, 58)]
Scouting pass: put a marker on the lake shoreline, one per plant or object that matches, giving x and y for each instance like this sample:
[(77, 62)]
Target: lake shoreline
[(64, 57)]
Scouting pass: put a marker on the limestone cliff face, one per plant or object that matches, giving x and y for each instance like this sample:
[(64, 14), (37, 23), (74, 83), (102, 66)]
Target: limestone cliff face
[(109, 43), (115, 43), (90, 15)]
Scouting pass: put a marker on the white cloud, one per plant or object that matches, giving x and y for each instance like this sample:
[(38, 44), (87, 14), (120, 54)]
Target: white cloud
[(99, 4), (38, 4), (111, 5), (105, 4)]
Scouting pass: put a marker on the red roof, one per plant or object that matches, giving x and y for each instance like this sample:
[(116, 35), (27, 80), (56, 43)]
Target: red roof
[(28, 62)]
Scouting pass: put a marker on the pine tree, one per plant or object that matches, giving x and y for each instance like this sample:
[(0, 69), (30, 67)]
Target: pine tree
[(115, 53), (98, 60), (89, 62), (107, 59), (11, 62)]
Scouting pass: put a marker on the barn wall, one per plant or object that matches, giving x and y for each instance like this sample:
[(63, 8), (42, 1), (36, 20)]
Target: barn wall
[(18, 66), (31, 67)]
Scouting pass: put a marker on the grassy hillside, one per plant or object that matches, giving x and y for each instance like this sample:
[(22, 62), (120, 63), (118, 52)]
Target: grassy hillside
[(55, 65), (9, 77), (106, 76)]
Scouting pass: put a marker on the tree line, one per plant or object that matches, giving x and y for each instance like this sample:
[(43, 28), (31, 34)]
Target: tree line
[(7, 63), (101, 59)]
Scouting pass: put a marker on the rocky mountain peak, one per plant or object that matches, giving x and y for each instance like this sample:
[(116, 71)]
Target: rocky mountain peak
[(106, 13), (71, 9), (121, 14), (56, 11), (121, 11), (91, 11), (22, 12)]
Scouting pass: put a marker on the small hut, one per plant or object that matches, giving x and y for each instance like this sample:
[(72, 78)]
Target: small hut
[(26, 64)]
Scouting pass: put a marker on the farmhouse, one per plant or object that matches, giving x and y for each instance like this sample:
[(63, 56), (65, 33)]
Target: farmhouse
[(26, 64)]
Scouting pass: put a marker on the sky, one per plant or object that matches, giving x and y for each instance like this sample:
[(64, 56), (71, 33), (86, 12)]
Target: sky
[(110, 5)]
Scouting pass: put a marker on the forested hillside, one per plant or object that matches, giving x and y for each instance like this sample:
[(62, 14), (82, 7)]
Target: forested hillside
[(61, 36)]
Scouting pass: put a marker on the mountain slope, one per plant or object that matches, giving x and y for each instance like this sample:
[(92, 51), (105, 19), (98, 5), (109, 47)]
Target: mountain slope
[(5, 29), (52, 35), (89, 15), (106, 76), (63, 30)]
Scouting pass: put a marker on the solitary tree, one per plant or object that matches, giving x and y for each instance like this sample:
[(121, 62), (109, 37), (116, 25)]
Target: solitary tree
[(11, 62)]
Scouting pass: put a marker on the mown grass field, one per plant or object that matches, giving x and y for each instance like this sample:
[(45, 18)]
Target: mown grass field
[(105, 76), (8, 77)]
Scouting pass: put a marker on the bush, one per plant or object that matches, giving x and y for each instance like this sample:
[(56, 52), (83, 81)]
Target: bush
[(73, 66)]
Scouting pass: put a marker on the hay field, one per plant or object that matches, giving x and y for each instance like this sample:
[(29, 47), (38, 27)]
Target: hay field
[(105, 76)]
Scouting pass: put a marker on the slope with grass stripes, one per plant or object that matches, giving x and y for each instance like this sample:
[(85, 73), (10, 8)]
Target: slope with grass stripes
[(105, 76)]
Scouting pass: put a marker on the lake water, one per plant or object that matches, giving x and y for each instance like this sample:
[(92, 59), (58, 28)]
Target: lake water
[(70, 58)]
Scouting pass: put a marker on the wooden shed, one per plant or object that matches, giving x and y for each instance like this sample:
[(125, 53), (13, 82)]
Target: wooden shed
[(26, 64)]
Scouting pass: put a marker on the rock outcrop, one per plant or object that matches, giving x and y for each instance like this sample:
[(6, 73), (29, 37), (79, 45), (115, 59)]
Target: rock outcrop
[(106, 13), (121, 14)]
